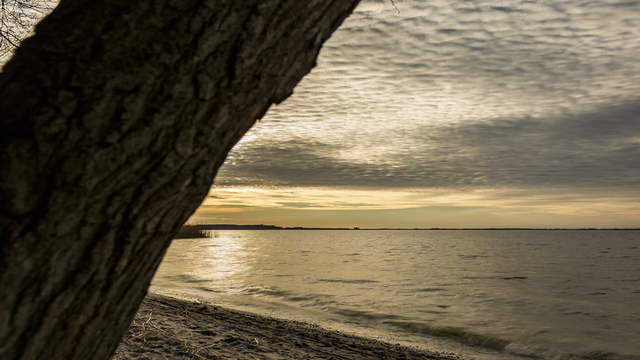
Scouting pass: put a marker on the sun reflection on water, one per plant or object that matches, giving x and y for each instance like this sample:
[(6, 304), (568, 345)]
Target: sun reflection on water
[(217, 264)]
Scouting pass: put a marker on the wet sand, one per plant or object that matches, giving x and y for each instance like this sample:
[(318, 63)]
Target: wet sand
[(169, 328)]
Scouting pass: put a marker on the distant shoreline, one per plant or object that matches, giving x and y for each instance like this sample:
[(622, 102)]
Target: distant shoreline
[(275, 227)]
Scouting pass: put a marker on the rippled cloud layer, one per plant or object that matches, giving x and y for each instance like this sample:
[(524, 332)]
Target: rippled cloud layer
[(460, 95), (586, 149)]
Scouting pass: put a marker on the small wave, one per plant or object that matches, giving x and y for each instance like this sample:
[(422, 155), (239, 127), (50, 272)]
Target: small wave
[(300, 298), (347, 281), (365, 315), (187, 279), (571, 313), (495, 277), (317, 299), (434, 289), (472, 257), (537, 244), (454, 333), (202, 288), (267, 291)]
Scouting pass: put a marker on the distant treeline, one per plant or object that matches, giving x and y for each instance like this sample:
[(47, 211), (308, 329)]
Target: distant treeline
[(202, 231), (191, 231), (206, 227)]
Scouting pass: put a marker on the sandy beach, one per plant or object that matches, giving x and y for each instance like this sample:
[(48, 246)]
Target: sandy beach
[(169, 328)]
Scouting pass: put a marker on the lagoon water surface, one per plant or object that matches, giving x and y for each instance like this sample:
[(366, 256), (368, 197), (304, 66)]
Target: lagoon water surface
[(485, 294)]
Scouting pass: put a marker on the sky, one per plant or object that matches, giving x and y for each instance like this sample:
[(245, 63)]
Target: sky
[(452, 113)]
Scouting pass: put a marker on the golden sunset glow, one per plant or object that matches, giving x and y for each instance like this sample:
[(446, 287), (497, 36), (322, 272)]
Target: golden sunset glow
[(334, 207)]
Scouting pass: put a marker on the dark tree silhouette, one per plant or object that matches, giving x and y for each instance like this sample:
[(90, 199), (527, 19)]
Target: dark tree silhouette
[(115, 118)]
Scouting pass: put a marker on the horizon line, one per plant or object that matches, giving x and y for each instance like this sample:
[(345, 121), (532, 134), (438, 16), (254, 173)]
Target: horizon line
[(277, 227)]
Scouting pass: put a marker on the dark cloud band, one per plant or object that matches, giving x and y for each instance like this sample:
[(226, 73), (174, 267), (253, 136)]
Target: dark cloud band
[(461, 94)]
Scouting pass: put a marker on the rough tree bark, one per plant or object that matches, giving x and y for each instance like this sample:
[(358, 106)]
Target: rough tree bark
[(115, 118)]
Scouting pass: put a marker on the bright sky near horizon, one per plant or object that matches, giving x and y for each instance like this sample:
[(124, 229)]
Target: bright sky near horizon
[(510, 113)]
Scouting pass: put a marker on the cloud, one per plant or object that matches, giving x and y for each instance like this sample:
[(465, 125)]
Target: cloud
[(598, 148), (482, 113), (460, 94)]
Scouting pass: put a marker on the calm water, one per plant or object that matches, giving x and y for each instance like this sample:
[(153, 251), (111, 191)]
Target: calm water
[(484, 294)]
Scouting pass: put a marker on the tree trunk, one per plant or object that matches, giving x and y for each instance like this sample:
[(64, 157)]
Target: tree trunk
[(116, 116)]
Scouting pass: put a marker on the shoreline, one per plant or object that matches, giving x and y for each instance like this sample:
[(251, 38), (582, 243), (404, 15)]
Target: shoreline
[(171, 328)]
